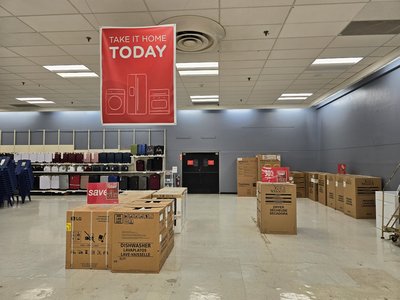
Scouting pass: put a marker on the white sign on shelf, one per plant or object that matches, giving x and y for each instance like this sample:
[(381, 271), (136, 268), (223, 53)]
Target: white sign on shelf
[(174, 169)]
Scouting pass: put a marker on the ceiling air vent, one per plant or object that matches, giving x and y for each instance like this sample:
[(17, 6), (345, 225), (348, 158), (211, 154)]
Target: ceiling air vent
[(372, 27), (196, 34)]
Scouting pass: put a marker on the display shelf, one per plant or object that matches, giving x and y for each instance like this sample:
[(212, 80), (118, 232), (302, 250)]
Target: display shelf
[(54, 191), (148, 156), (79, 164), (95, 172)]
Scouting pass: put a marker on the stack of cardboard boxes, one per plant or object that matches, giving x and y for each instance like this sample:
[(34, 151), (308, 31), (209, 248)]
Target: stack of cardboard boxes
[(299, 179), (276, 208), (313, 186), (134, 236), (322, 188), (246, 176), (267, 160), (331, 190)]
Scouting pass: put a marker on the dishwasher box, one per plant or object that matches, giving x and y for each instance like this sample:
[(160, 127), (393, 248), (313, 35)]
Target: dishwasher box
[(331, 190), (322, 188), (339, 195)]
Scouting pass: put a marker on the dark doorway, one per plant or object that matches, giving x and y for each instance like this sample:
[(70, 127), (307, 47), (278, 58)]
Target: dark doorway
[(200, 172)]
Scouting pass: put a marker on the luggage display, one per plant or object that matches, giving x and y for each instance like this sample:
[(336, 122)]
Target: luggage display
[(114, 168), (157, 164), (74, 182), (142, 149), (126, 158), (113, 178), (84, 182), (105, 168), (124, 168), (110, 157), (48, 157), (44, 182), (94, 157), (96, 168), (134, 149), (55, 182), (57, 157), (140, 165), (102, 157), (94, 178), (118, 157), (36, 182), (150, 150), (154, 182), (103, 178), (149, 164), (123, 183), (87, 157), (64, 182), (133, 183), (143, 182), (158, 150), (79, 157), (87, 168)]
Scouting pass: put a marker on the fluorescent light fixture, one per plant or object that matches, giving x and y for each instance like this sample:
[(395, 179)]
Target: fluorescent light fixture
[(78, 74), (211, 100), (205, 97), (31, 99), (55, 68), (297, 95), (292, 98), (197, 65), (198, 72), (40, 102), (343, 60)]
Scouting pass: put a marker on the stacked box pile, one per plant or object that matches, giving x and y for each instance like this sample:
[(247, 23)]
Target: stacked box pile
[(246, 176), (299, 179)]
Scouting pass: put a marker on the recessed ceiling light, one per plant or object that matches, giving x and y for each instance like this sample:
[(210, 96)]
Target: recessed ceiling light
[(205, 97), (343, 60), (292, 98), (211, 100), (197, 65), (30, 99), (78, 74), (297, 95), (55, 68), (198, 72), (40, 102)]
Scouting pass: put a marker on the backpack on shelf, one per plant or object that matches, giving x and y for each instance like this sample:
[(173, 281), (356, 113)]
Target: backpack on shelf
[(140, 165), (150, 150), (158, 150)]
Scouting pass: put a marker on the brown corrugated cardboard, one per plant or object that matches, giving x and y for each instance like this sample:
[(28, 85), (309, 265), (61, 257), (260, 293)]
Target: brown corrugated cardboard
[(88, 237), (168, 204), (267, 160), (300, 192), (322, 188), (246, 176), (129, 196), (276, 208), (331, 190), (339, 196), (140, 241), (313, 186), (359, 196), (299, 179)]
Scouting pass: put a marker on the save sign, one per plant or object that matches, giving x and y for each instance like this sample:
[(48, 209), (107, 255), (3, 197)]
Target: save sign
[(102, 193)]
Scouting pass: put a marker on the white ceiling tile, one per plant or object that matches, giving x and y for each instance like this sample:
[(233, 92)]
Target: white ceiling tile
[(9, 76), (302, 2), (319, 75), (2, 71), (289, 54), (346, 75), (72, 37), (57, 23), (39, 76), (233, 83), (204, 85), (253, 3), (235, 79), (38, 51), (241, 64), (81, 49), (4, 13), (254, 16), (283, 70), (22, 39), (13, 25), (382, 10), (277, 63), (246, 72), (198, 57), (302, 43), (160, 16), (312, 81), (267, 85), (394, 42), (54, 60), (119, 19), (382, 51), (4, 52), (312, 29), (360, 41), (277, 77), (347, 52), (155, 5), (38, 7), (106, 6), (88, 59), (14, 61), (246, 55), (247, 45), (26, 69), (252, 32), (324, 13)]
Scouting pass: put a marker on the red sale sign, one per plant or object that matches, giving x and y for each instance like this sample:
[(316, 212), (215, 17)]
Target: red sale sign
[(274, 174), (138, 75), (102, 193)]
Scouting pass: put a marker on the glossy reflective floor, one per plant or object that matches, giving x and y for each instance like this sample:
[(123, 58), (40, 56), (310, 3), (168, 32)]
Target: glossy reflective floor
[(220, 255)]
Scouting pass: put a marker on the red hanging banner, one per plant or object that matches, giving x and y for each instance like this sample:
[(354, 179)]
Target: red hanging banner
[(138, 75)]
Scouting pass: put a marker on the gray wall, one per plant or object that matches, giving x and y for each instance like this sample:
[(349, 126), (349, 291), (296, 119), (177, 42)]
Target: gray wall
[(232, 133), (362, 129)]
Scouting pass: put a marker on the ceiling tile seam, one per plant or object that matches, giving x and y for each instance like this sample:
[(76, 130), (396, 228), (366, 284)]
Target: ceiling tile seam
[(149, 12), (269, 54)]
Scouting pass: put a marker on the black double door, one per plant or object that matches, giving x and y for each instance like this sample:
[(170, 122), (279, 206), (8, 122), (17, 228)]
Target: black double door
[(200, 172)]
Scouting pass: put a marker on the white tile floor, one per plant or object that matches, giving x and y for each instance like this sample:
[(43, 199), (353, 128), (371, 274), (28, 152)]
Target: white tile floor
[(220, 255)]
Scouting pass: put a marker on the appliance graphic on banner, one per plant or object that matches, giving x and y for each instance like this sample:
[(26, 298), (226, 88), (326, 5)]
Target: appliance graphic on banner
[(159, 101), (137, 94), (115, 101)]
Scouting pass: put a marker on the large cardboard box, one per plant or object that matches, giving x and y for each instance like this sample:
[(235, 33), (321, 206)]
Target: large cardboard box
[(267, 160), (88, 237), (179, 195), (313, 186), (140, 241), (331, 190), (129, 196), (339, 196), (322, 188), (276, 208), (359, 196), (391, 204), (246, 176)]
